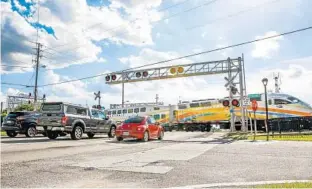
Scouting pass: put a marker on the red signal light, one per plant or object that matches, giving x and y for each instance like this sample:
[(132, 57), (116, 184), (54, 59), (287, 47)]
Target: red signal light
[(235, 102), (138, 74), (226, 103), (107, 78), (145, 73), (114, 77)]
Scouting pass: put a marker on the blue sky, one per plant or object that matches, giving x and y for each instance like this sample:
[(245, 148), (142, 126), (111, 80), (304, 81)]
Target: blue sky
[(83, 27)]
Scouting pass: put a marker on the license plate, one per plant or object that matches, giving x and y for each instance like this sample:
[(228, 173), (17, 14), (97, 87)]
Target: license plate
[(9, 122), (125, 133)]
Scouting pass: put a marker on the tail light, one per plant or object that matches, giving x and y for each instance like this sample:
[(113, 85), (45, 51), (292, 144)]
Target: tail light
[(64, 120)]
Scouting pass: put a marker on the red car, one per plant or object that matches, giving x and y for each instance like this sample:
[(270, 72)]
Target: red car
[(140, 127)]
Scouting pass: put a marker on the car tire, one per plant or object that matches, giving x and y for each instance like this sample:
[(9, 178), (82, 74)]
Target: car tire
[(161, 135), (119, 138), (112, 132), (44, 134), (145, 136), (11, 134), (77, 132), (52, 135), (90, 135), (31, 132)]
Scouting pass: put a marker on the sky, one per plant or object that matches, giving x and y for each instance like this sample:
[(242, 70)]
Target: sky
[(81, 38)]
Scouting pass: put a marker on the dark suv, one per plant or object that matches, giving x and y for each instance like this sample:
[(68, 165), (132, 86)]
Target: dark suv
[(20, 122), (59, 118)]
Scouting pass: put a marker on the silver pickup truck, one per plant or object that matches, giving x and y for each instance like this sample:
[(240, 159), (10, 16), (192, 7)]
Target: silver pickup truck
[(59, 119)]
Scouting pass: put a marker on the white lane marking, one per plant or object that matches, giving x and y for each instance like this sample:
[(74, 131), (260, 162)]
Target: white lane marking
[(238, 184)]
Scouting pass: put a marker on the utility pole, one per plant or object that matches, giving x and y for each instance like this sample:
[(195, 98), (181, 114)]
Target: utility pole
[(38, 56), (277, 83), (157, 98)]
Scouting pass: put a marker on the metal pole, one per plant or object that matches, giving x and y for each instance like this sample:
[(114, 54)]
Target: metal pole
[(266, 111), (37, 68), (123, 91), (255, 119), (250, 119), (241, 87), (245, 88), (231, 96)]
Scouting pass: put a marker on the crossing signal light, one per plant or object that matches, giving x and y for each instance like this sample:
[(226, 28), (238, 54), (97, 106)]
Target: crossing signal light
[(114, 77), (138, 74), (235, 102), (145, 74), (226, 103), (107, 78)]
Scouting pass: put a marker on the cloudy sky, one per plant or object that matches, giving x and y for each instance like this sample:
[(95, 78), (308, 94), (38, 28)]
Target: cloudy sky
[(81, 38)]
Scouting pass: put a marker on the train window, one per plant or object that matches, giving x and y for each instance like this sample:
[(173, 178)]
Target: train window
[(156, 117), (182, 106), (163, 116), (136, 110), (143, 109), (205, 104), (124, 111), (156, 108), (119, 112), (270, 102), (130, 111), (109, 113), (281, 101), (194, 105), (114, 112)]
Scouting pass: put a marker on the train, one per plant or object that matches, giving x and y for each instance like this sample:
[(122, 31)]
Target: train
[(203, 113)]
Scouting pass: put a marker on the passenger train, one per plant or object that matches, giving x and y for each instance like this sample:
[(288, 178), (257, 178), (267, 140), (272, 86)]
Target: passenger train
[(212, 110)]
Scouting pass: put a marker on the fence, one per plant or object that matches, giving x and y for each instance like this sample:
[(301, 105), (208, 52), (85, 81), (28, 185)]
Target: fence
[(291, 124)]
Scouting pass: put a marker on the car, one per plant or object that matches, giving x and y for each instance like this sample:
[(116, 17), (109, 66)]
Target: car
[(60, 119), (140, 127), (21, 122)]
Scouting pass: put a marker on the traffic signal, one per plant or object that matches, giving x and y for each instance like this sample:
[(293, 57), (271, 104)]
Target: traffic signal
[(235, 102), (226, 103)]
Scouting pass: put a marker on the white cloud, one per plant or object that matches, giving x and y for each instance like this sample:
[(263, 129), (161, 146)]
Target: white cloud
[(19, 6), (265, 49)]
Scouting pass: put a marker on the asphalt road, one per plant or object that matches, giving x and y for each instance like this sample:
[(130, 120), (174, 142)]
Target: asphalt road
[(181, 159)]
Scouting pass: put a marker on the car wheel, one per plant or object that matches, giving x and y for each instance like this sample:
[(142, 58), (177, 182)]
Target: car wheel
[(90, 135), (77, 132), (112, 132), (161, 135), (52, 135), (44, 134), (119, 138), (31, 132), (145, 136), (11, 134)]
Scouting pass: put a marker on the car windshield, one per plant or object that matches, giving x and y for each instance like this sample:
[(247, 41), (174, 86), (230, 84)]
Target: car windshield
[(51, 107), (134, 120)]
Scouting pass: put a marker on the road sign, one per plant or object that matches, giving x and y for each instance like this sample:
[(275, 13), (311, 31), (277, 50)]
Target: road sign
[(246, 101), (254, 105), (229, 81)]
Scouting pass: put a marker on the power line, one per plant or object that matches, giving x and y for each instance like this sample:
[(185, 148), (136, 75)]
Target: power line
[(15, 66), (170, 16), (232, 15), (116, 27), (15, 84), (190, 55)]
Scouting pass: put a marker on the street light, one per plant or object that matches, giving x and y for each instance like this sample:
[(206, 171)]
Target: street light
[(265, 83)]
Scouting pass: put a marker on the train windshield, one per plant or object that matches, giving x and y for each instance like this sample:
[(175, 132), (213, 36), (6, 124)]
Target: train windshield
[(292, 99)]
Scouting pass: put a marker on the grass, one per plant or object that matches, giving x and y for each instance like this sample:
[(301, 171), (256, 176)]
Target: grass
[(286, 185), (262, 136), (3, 133)]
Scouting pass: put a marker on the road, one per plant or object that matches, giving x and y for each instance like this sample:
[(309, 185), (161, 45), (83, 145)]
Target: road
[(181, 159)]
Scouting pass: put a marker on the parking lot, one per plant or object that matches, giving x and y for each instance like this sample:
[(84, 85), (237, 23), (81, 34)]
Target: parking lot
[(181, 159)]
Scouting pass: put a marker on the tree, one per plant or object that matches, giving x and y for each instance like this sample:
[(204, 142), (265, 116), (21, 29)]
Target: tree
[(25, 107)]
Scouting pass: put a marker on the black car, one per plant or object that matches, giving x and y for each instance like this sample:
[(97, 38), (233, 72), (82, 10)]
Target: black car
[(59, 119), (20, 122)]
